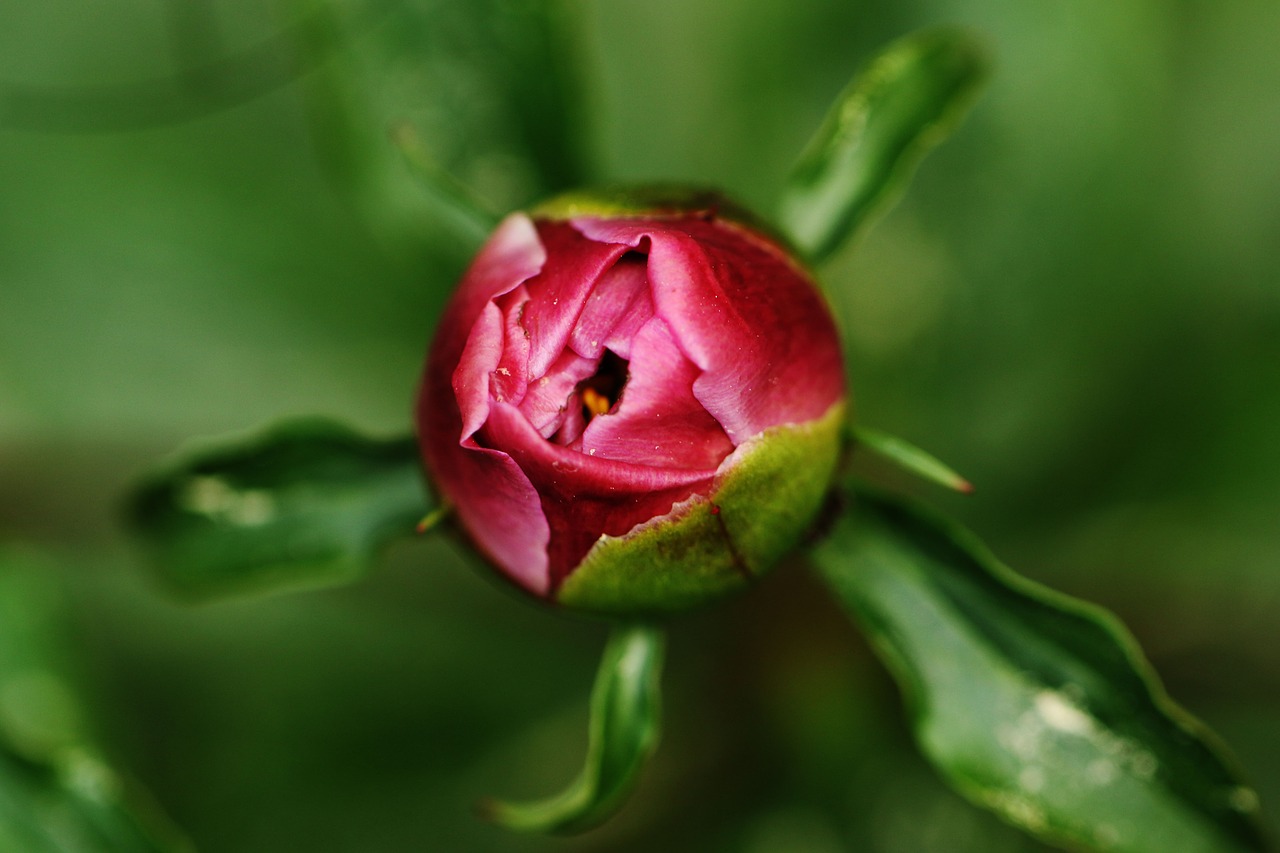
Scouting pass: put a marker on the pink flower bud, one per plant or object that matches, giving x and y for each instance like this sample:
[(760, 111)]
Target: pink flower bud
[(633, 408)]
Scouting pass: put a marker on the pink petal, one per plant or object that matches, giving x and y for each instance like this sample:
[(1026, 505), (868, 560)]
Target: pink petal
[(585, 497), (498, 505), (480, 359), (472, 324), (658, 421), (510, 378), (559, 294), (483, 484), (616, 309), (740, 310), (547, 400)]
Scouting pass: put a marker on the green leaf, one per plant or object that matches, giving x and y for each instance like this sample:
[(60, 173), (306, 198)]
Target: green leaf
[(907, 100), (494, 88), (73, 802), (56, 792), (909, 457), (624, 732), (306, 503), (1032, 704)]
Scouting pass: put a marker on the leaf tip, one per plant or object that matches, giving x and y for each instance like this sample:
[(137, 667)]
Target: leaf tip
[(432, 520)]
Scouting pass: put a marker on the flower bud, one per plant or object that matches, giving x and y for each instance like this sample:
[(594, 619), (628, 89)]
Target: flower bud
[(633, 403)]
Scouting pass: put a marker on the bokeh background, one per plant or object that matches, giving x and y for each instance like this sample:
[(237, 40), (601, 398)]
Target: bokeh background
[(1077, 305)]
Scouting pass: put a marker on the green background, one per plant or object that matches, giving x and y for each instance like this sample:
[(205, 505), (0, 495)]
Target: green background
[(1076, 305)]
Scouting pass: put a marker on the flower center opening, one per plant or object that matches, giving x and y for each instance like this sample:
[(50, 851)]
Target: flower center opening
[(600, 392)]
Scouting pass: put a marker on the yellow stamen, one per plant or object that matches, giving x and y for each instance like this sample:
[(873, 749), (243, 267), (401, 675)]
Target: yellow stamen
[(596, 403)]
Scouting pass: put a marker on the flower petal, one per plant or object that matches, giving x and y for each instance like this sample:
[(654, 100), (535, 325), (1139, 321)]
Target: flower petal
[(707, 278), (470, 333), (545, 403), (658, 421), (558, 294), (616, 309), (492, 496), (483, 484), (585, 497)]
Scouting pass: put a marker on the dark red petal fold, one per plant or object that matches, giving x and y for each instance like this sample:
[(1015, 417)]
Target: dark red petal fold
[(583, 496)]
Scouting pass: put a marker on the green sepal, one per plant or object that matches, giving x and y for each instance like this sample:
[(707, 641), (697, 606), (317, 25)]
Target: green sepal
[(906, 100), (305, 503), (631, 200), (758, 510), (625, 725), (658, 200), (1032, 704)]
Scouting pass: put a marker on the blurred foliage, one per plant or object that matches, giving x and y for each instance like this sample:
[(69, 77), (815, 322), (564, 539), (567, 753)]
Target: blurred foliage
[(305, 503), (1077, 305), (56, 792)]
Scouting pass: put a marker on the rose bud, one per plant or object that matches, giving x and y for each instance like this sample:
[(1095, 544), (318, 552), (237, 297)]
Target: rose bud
[(633, 403)]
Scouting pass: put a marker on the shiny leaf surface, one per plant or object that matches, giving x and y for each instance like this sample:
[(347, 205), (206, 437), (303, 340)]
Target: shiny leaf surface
[(307, 503), (1032, 704), (625, 711), (903, 103)]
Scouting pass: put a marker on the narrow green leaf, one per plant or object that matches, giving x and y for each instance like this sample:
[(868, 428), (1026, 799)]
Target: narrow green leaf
[(909, 457), (1032, 704), (902, 104), (624, 732), (56, 792), (306, 503)]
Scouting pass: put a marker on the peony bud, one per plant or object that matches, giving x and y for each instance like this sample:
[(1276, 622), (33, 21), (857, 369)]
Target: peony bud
[(633, 406)]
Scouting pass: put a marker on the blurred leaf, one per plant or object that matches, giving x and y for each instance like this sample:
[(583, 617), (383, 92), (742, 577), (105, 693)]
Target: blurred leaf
[(1032, 704), (548, 94), (74, 802), (56, 794), (624, 732), (909, 457), (902, 104), (457, 204), (39, 712), (306, 503), (494, 89)]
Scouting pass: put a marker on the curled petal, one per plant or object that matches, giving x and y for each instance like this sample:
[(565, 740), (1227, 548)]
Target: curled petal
[(735, 308), (585, 497), (659, 421), (483, 484), (560, 291), (619, 306)]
